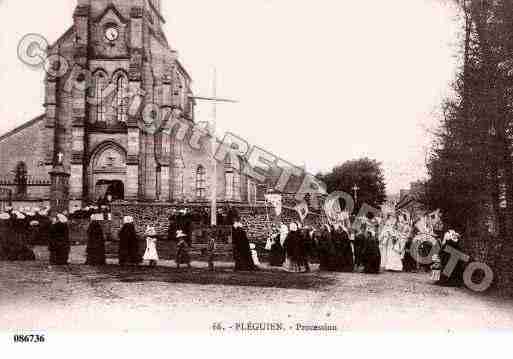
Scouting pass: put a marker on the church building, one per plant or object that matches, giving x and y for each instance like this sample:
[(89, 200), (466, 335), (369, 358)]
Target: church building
[(87, 144)]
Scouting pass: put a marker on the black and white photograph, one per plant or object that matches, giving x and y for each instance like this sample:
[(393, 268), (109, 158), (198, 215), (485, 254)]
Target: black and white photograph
[(258, 167)]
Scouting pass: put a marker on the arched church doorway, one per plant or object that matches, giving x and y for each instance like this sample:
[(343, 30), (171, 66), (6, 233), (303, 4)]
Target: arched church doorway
[(108, 172), (113, 188)]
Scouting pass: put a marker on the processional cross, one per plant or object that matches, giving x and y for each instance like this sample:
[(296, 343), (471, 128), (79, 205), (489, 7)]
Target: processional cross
[(355, 191)]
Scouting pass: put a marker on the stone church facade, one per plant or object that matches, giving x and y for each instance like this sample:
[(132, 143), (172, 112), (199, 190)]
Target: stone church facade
[(88, 144)]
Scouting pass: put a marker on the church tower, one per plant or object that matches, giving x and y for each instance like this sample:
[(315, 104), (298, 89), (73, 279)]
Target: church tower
[(119, 62)]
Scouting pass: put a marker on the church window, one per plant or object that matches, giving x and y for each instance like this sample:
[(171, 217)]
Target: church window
[(21, 179), (99, 88), (121, 98), (201, 183), (236, 186), (232, 178), (178, 184)]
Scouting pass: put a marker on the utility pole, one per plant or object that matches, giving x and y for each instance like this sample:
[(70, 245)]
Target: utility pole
[(215, 100)]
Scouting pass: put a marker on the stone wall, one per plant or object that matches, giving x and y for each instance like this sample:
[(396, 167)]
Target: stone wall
[(254, 218)]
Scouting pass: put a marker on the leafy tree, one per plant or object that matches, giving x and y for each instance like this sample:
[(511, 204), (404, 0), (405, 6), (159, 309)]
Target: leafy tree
[(365, 173)]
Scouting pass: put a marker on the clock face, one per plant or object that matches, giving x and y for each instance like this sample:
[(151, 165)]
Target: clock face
[(111, 33)]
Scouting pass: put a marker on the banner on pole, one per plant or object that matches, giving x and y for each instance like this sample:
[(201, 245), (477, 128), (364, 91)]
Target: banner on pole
[(332, 210)]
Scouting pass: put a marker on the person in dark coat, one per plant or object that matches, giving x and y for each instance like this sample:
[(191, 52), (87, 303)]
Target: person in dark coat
[(52, 248), (409, 263), (5, 234), (305, 248), (14, 242), (188, 226), (358, 244), (277, 254), (182, 250), (232, 215), (325, 249), (370, 255), (173, 227), (241, 250), (95, 242), (343, 251), (292, 247), (128, 253), (59, 242), (451, 239)]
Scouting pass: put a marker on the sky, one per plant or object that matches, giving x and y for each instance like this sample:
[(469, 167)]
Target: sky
[(317, 82)]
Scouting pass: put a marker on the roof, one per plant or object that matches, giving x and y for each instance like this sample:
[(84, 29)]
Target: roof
[(183, 70), (408, 200), (22, 127), (157, 11), (63, 36)]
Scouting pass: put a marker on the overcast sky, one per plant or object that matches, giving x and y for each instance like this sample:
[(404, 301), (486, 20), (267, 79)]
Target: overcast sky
[(319, 82)]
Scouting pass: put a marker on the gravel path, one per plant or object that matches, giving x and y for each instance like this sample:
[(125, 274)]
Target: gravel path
[(34, 296)]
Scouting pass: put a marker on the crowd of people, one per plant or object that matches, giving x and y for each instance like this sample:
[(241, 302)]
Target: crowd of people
[(337, 248), (370, 247)]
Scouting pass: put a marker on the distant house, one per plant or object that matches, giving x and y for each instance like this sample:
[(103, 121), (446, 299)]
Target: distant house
[(411, 200)]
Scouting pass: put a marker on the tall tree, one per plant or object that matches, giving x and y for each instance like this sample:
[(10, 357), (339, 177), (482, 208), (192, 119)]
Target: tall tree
[(471, 165)]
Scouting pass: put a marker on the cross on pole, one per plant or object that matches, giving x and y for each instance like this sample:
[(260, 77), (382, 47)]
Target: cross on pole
[(215, 100)]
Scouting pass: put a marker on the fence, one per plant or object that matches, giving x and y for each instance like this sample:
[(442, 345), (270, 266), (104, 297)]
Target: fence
[(5, 198)]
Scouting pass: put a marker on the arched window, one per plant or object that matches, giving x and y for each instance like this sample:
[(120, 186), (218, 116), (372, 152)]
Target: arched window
[(100, 82), (232, 178), (201, 183), (121, 98), (21, 179), (252, 192)]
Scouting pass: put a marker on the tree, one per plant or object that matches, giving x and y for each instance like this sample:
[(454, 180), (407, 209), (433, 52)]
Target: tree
[(471, 169), (365, 173)]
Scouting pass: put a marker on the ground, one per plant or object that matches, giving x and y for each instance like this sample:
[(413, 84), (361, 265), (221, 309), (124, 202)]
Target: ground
[(34, 296)]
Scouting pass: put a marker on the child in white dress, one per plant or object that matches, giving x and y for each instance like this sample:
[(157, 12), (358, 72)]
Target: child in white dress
[(151, 254), (254, 254)]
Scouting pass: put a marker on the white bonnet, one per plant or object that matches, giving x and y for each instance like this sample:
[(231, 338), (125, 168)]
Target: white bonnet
[(62, 218)]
